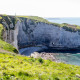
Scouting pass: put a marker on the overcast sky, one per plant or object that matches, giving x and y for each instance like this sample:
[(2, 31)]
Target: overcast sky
[(42, 8)]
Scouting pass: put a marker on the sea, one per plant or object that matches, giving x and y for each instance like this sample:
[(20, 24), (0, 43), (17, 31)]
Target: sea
[(74, 21)]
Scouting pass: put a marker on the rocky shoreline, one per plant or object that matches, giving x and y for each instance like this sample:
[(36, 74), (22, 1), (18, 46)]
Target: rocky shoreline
[(45, 56), (67, 56)]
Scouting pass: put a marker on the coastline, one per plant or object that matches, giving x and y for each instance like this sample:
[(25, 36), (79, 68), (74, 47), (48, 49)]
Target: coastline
[(46, 56)]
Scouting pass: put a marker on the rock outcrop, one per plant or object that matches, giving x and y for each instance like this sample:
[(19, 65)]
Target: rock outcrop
[(23, 32)]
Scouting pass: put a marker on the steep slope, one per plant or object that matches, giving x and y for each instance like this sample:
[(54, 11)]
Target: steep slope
[(17, 67)]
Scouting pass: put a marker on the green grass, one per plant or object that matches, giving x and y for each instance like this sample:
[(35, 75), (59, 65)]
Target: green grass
[(35, 18), (66, 26), (4, 45), (17, 67), (1, 29)]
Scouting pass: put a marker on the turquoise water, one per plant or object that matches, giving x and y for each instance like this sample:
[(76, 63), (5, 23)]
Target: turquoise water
[(68, 58), (73, 59), (65, 20)]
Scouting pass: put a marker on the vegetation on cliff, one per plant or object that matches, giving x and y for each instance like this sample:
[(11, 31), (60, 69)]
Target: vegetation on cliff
[(17, 67), (66, 26), (1, 29), (35, 19), (4, 45)]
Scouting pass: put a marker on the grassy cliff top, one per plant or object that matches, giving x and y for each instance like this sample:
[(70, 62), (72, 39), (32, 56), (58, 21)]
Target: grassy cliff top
[(17, 67), (35, 18), (14, 19), (66, 26)]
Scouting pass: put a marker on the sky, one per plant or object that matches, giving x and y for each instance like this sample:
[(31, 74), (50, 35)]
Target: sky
[(41, 8)]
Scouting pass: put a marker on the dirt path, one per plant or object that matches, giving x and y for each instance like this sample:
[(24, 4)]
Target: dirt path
[(5, 51)]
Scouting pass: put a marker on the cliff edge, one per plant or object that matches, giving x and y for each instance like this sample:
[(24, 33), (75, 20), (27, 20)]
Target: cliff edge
[(22, 31)]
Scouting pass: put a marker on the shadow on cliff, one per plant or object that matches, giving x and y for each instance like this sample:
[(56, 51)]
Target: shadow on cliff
[(28, 51), (71, 51)]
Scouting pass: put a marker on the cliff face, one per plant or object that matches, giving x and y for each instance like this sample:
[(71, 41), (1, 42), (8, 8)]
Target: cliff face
[(25, 32)]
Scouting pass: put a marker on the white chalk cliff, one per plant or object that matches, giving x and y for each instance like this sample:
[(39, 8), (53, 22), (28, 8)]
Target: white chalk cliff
[(29, 33)]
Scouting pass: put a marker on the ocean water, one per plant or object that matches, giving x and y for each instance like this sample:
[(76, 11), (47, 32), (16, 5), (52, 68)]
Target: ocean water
[(75, 21), (69, 58)]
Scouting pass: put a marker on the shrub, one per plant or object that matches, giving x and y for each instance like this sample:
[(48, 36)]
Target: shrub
[(40, 60)]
